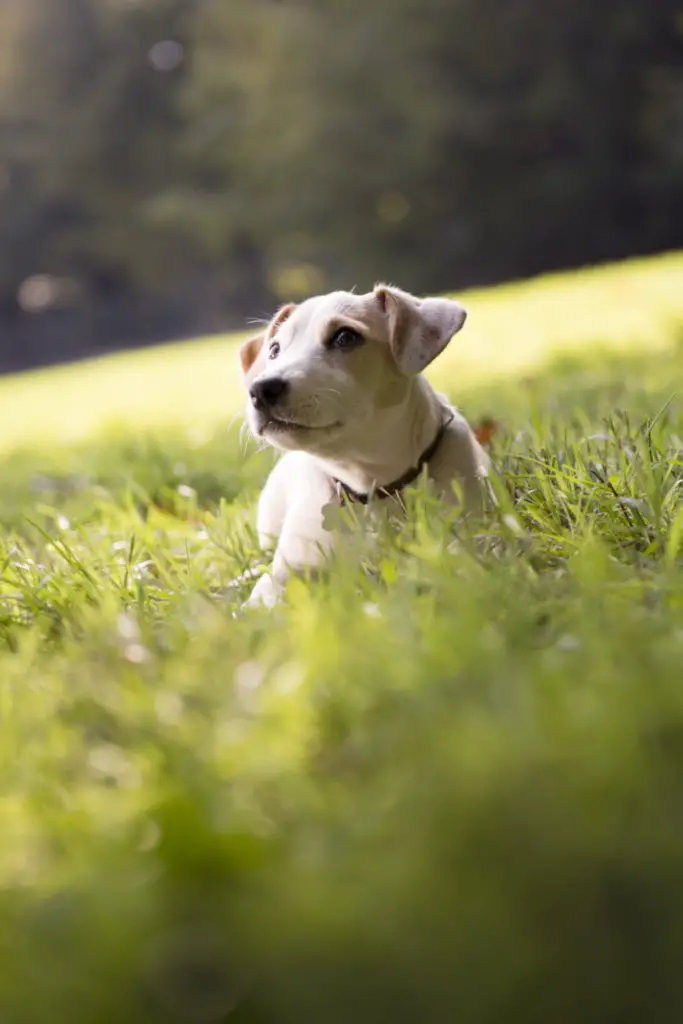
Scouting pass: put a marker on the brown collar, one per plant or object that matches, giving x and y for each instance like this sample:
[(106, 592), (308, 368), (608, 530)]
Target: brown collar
[(396, 486)]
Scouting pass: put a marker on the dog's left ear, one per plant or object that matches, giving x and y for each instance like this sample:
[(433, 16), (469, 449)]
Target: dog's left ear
[(419, 329), (249, 351)]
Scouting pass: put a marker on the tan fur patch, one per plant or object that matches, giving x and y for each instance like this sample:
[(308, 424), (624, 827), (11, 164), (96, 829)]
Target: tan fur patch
[(249, 350)]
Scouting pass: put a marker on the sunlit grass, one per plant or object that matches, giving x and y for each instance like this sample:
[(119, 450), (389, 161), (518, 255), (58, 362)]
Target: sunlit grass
[(512, 329)]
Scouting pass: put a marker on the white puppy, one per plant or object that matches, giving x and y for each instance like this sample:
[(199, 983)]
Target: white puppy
[(336, 383)]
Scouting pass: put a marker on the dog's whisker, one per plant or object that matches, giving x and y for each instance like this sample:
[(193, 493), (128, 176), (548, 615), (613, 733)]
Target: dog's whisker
[(233, 419), (244, 436), (335, 394), (244, 426)]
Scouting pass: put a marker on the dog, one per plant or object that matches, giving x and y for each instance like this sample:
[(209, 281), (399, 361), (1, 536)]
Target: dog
[(336, 383)]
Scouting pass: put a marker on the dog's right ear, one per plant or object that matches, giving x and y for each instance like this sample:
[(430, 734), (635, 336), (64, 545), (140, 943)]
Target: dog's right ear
[(419, 329), (249, 351)]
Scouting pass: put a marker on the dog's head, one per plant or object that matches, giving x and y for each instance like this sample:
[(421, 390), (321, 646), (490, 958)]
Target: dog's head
[(322, 370)]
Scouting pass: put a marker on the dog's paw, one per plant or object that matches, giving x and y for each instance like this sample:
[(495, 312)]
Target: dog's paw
[(266, 594)]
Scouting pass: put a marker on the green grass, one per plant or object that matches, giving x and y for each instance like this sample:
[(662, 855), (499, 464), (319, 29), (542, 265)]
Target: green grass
[(444, 784)]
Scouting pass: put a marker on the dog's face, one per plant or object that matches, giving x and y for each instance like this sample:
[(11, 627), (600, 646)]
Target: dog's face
[(323, 370)]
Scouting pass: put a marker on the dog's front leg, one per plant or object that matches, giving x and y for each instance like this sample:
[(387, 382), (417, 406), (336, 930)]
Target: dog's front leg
[(270, 517), (304, 545), (265, 594), (291, 515)]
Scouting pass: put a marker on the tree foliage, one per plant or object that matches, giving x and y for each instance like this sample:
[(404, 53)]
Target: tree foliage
[(209, 159)]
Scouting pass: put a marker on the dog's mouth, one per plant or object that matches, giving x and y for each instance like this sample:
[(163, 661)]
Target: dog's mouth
[(276, 425)]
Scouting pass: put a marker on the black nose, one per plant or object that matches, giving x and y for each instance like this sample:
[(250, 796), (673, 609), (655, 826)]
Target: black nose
[(265, 393)]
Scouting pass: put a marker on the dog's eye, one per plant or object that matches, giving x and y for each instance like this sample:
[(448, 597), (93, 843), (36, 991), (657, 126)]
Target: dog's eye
[(274, 350), (345, 339)]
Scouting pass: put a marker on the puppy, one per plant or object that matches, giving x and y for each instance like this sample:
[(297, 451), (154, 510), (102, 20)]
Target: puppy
[(336, 383)]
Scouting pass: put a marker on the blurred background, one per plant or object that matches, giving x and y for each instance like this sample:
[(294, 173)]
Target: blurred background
[(173, 167)]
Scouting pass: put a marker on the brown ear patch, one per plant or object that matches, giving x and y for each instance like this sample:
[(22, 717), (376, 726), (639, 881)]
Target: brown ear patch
[(401, 322), (281, 317), (249, 350)]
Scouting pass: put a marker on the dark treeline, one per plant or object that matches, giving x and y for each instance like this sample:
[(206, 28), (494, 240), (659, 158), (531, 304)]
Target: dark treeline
[(174, 166)]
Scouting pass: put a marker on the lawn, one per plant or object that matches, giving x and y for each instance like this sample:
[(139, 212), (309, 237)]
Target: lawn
[(445, 784)]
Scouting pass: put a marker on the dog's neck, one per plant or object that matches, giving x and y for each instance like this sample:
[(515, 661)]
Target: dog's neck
[(394, 444)]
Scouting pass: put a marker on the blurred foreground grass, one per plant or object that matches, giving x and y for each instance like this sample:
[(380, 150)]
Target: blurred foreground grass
[(445, 784)]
